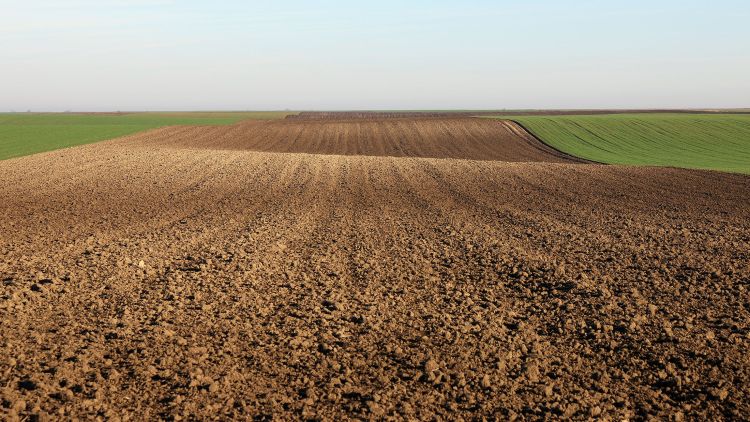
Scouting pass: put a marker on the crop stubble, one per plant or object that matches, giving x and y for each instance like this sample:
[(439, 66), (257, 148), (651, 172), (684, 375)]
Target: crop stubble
[(189, 271)]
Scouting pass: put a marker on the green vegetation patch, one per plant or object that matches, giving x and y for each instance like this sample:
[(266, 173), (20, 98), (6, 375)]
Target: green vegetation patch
[(29, 133), (699, 141)]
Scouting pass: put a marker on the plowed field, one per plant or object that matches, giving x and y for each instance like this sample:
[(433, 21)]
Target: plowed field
[(468, 138), (396, 268)]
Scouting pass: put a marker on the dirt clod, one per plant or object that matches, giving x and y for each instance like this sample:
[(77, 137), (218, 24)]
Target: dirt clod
[(431, 366)]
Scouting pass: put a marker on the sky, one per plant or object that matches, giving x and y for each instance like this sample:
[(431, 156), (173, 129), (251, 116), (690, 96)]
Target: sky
[(108, 55)]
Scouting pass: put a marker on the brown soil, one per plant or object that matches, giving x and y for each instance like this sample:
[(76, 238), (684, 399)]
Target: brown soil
[(476, 139), (179, 274)]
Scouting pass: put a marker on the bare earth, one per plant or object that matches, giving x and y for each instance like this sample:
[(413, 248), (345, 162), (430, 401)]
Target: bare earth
[(337, 269)]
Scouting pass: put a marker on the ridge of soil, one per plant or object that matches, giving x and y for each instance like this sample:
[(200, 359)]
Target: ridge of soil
[(561, 153)]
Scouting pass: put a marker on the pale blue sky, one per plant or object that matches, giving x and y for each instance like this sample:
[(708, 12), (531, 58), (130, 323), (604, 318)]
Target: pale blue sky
[(186, 55)]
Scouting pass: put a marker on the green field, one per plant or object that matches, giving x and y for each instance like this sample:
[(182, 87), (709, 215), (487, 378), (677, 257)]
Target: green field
[(28, 133), (700, 141)]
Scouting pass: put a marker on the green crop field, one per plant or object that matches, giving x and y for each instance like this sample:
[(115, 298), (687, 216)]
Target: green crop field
[(29, 133), (700, 141)]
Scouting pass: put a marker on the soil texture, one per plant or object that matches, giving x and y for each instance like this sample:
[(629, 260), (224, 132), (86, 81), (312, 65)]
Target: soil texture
[(423, 269)]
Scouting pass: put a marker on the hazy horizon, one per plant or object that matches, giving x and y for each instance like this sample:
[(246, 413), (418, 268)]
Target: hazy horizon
[(333, 55)]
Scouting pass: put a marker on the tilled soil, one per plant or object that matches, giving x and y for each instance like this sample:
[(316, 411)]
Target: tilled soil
[(475, 139), (166, 279)]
